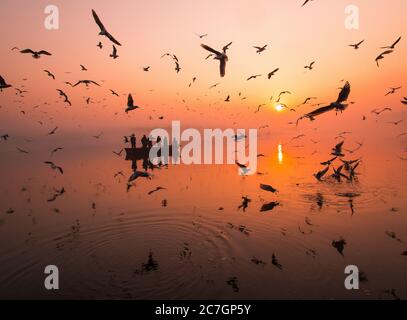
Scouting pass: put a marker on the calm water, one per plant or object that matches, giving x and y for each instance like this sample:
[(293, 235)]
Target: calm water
[(100, 235)]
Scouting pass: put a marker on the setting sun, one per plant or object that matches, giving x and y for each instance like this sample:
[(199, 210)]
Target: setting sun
[(279, 107)]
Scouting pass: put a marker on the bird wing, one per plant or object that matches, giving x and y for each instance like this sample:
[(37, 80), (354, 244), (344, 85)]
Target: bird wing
[(226, 47), (111, 38), (98, 22), (2, 81), (210, 49), (222, 67), (397, 41), (130, 101), (79, 82), (94, 82), (27, 51), (344, 94), (45, 52)]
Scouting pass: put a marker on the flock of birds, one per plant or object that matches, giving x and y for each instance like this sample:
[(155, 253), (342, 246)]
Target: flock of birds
[(345, 171)]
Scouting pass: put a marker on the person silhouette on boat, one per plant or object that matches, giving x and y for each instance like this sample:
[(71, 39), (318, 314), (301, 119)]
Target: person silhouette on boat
[(144, 142), (133, 141)]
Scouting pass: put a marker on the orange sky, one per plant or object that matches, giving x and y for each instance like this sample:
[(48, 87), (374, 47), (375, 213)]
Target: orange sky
[(295, 36)]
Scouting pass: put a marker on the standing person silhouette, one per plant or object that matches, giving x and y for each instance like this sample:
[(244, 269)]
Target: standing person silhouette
[(133, 141)]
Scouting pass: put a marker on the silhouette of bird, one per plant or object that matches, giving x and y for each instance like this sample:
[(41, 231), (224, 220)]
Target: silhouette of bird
[(54, 167), (272, 73), (201, 35), (155, 190), (49, 74), (36, 54), (381, 56), (62, 94), (100, 45), (114, 93), (267, 187), (221, 56), (3, 84), (357, 45), (338, 105), (260, 49), (253, 77), (103, 31), (114, 53), (319, 175), (83, 68), (339, 245), (393, 45), (86, 82), (392, 90), (337, 150), (310, 66), (130, 104)]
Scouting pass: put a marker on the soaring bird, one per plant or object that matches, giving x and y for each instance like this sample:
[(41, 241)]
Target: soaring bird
[(130, 104), (201, 35), (36, 54), (272, 73), (83, 68), (222, 57), (338, 105), (260, 49), (62, 94), (3, 84), (357, 45), (103, 31), (306, 1), (54, 167), (310, 65), (381, 56), (114, 53), (392, 90), (114, 93), (49, 74), (393, 45), (253, 77), (86, 82)]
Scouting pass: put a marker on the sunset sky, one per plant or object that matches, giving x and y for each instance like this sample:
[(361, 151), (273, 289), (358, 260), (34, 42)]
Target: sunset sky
[(295, 36)]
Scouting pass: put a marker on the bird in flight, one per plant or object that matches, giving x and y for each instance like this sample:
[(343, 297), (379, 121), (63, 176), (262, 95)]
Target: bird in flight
[(201, 35), (83, 68), (36, 54), (54, 166), (260, 49), (62, 94), (337, 105), (357, 45), (114, 53), (114, 93), (103, 31), (272, 73), (100, 45), (221, 56), (381, 56), (392, 90), (49, 74), (86, 82), (253, 77), (146, 69), (306, 1), (130, 104), (393, 45), (310, 65), (3, 84), (404, 101)]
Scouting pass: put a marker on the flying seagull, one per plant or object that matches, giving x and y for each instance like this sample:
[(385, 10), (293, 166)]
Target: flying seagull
[(392, 90), (3, 84), (310, 65), (49, 74), (103, 31), (337, 105), (222, 57), (54, 167), (130, 104), (357, 45), (260, 49), (86, 82), (393, 45), (381, 56), (272, 73), (36, 54), (114, 53)]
